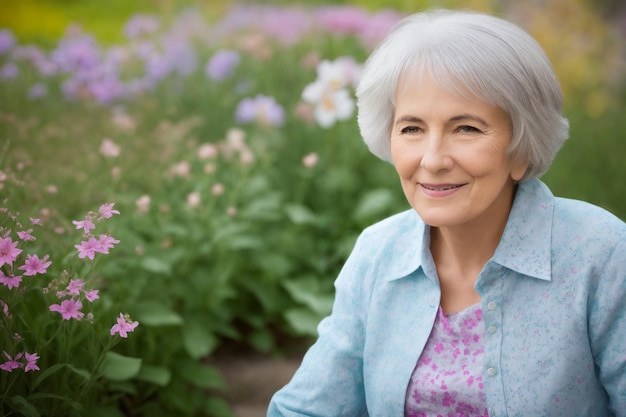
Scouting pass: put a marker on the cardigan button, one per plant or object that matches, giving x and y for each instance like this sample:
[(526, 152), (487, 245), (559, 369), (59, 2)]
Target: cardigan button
[(491, 306), (492, 329), (491, 371)]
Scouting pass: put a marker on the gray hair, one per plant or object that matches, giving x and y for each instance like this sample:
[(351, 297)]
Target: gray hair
[(490, 58)]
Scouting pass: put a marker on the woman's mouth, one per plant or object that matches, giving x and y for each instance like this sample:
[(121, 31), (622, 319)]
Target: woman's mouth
[(440, 190)]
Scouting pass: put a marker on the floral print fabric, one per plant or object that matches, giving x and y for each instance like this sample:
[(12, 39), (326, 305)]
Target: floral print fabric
[(447, 381)]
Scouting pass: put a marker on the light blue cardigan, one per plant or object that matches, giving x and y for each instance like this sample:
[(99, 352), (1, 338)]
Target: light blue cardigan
[(555, 290)]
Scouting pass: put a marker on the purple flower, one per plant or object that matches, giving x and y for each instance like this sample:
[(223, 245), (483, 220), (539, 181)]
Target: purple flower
[(141, 24), (9, 71), (107, 211), (124, 325), (33, 265), (12, 363), (222, 64), (37, 90), (7, 41), (262, 109), (69, 309), (77, 53), (11, 281), (31, 362), (8, 251)]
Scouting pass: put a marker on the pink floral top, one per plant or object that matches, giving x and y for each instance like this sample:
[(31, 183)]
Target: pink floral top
[(447, 380)]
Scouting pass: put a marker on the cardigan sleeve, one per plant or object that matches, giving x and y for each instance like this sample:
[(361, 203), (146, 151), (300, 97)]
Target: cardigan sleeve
[(329, 381), (607, 328)]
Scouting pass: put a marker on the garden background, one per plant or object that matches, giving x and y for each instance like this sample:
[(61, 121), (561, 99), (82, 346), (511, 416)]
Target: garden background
[(224, 134)]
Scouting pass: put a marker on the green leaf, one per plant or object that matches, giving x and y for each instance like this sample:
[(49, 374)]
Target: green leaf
[(373, 204), (55, 368), (306, 291), (24, 407), (155, 314), (201, 375), (218, 407), (117, 367), (155, 265), (198, 339), (303, 321), (156, 375), (300, 214)]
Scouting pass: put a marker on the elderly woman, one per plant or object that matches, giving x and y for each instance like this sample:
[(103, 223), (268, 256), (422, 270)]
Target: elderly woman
[(491, 296)]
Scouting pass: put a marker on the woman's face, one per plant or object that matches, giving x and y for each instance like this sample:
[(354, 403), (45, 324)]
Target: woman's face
[(450, 154)]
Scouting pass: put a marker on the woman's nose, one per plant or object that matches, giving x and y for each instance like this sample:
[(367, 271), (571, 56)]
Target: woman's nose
[(436, 156)]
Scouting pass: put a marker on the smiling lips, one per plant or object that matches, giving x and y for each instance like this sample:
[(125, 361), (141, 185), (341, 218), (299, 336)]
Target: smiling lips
[(440, 190)]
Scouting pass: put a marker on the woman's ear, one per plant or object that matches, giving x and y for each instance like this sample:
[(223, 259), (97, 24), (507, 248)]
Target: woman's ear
[(518, 169)]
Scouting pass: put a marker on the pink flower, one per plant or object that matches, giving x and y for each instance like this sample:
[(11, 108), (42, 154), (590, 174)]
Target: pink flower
[(35, 221), (5, 308), (31, 362), (69, 309), (12, 281), (75, 286), (12, 363), (8, 251), (92, 295), (106, 210), (33, 265), (86, 224), (26, 235), (88, 248), (106, 242), (124, 325)]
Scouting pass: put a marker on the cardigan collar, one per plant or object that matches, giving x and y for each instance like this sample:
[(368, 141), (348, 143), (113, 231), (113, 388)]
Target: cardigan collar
[(524, 247)]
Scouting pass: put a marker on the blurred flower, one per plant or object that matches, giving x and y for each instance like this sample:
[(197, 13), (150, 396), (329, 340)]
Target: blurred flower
[(193, 199), (181, 169), (11, 281), (209, 168), (26, 235), (328, 93), (310, 160), (7, 41), (92, 295), (31, 362), (231, 211), (123, 121), (11, 363), (38, 90), (141, 24), (124, 325), (86, 224), (52, 189), (33, 265), (206, 151), (107, 211), (8, 251), (222, 64), (143, 204), (75, 286), (9, 71), (262, 109), (217, 189), (109, 149), (330, 105), (69, 309)]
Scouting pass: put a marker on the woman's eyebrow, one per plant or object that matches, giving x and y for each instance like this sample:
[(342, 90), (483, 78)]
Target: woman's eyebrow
[(408, 119), (464, 117)]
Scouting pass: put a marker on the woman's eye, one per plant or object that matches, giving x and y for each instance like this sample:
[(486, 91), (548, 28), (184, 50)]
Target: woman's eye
[(410, 129), (468, 129)]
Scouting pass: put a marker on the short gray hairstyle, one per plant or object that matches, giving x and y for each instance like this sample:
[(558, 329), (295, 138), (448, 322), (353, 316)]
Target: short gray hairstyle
[(464, 51)]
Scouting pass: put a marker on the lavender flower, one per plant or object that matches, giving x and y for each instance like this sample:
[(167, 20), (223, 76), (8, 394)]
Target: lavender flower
[(222, 64), (262, 109), (7, 41)]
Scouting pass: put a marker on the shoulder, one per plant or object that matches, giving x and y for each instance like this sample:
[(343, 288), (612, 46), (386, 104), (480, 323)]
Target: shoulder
[(580, 219)]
